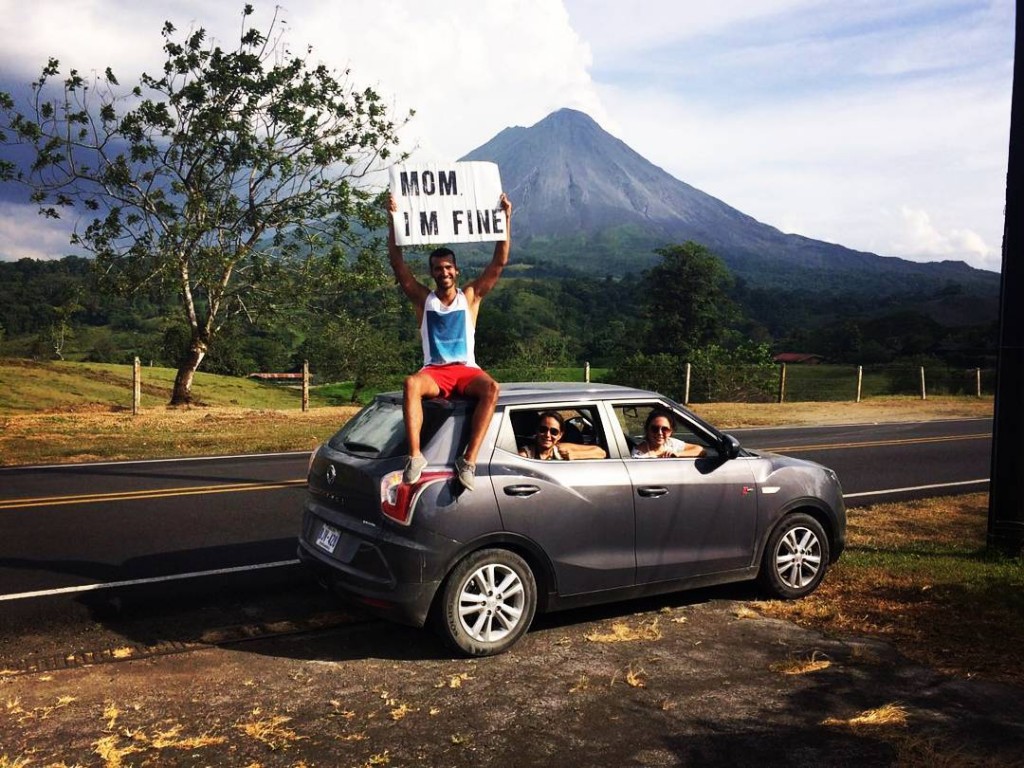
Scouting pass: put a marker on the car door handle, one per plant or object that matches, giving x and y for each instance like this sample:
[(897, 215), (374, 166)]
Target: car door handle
[(521, 490), (652, 491)]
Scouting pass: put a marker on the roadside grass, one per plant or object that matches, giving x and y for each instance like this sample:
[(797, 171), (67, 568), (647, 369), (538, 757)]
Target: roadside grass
[(31, 386), (53, 412), (917, 575), (867, 411), (78, 436)]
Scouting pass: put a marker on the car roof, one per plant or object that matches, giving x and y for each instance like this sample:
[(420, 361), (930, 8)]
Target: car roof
[(526, 392), (517, 392)]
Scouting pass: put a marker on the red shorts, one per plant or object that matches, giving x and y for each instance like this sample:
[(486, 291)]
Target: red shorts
[(453, 378)]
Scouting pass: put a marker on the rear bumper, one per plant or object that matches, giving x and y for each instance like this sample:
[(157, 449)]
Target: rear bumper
[(391, 577)]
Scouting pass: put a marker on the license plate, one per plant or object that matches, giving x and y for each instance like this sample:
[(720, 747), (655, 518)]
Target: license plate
[(328, 538)]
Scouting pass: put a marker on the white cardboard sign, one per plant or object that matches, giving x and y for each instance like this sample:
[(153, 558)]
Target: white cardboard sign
[(447, 203)]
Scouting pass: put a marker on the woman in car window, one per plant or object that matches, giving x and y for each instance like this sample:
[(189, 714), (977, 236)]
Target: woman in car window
[(550, 427), (658, 442)]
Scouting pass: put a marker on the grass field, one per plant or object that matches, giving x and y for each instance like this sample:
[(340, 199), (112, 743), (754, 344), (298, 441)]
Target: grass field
[(28, 386), (62, 412)]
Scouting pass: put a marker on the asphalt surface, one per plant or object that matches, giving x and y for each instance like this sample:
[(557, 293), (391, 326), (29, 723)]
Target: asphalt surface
[(72, 526)]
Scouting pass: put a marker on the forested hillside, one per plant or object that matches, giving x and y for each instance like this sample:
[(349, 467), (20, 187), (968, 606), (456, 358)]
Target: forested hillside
[(540, 314)]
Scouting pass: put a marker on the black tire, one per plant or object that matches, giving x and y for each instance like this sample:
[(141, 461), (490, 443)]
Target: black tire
[(796, 557), (487, 603)]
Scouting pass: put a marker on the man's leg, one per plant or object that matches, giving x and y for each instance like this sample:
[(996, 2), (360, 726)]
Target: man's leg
[(484, 390), (417, 386)]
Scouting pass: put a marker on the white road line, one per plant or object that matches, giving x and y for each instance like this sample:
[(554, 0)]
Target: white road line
[(915, 488), (283, 563), (153, 580)]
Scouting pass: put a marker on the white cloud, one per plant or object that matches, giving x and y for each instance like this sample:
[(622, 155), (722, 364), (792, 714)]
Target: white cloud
[(921, 236), (24, 234), (468, 69), (623, 31), (830, 124), (822, 118)]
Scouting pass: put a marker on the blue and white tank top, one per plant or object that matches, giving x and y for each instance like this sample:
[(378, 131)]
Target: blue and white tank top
[(447, 332)]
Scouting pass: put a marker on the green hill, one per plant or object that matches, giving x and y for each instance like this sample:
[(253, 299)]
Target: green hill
[(29, 386)]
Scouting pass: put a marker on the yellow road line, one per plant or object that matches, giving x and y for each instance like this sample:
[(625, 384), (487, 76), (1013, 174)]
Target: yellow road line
[(876, 443), (196, 490)]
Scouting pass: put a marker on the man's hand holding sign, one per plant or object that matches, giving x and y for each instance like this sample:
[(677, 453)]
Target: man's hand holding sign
[(462, 202)]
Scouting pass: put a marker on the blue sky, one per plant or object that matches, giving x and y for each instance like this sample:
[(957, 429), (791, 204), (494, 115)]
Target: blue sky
[(878, 125)]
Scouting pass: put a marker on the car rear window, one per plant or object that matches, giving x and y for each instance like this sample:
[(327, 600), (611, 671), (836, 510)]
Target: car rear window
[(378, 431)]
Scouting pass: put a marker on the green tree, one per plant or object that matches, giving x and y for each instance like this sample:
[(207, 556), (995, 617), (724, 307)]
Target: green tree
[(213, 179), (745, 373), (686, 300), (359, 326), (660, 372)]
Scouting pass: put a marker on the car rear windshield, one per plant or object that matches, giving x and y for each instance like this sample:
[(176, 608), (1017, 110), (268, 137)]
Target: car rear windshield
[(378, 431)]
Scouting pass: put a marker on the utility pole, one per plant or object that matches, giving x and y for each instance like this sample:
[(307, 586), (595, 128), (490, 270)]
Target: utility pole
[(1006, 494)]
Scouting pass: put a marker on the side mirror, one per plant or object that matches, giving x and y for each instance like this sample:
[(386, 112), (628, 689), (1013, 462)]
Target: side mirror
[(730, 446)]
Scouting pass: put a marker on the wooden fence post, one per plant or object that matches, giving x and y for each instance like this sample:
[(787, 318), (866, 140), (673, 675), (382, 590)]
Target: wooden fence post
[(686, 392), (860, 381), (305, 385), (782, 383), (136, 387), (924, 390), (977, 377), (586, 372)]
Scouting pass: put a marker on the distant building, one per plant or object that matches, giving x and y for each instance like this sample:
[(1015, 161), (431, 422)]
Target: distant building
[(804, 358)]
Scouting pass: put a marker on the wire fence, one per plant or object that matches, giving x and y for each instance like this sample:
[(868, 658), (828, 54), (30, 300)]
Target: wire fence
[(787, 382), (799, 383)]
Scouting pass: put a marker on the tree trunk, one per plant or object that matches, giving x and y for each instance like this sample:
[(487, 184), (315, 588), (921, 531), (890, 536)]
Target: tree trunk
[(182, 393)]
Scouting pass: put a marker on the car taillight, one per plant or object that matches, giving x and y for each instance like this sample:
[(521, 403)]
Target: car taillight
[(398, 499)]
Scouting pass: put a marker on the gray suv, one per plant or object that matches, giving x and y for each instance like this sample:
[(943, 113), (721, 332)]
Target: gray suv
[(540, 535)]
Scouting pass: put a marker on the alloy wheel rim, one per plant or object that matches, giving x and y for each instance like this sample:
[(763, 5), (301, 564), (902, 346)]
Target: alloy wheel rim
[(798, 557), (491, 603)]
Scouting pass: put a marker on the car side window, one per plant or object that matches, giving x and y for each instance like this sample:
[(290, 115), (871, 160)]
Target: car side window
[(581, 426), (632, 419)]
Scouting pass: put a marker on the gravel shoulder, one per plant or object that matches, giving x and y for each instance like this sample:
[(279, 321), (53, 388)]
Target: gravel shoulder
[(695, 679)]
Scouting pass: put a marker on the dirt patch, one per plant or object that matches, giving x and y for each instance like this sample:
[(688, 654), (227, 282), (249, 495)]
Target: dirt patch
[(870, 411), (680, 683)]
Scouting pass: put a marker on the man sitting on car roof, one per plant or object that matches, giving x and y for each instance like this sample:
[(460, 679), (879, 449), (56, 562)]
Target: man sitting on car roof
[(447, 319)]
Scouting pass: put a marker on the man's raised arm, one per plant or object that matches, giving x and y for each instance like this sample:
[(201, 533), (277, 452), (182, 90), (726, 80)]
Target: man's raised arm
[(413, 288), (489, 278)]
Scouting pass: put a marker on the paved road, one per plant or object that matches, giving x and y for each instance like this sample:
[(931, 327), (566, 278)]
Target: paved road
[(75, 528), (891, 461)]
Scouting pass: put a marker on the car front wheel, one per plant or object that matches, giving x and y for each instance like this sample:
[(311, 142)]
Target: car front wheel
[(796, 557), (488, 602)]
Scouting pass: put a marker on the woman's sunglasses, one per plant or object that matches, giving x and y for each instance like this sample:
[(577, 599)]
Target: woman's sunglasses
[(663, 430), (549, 430)]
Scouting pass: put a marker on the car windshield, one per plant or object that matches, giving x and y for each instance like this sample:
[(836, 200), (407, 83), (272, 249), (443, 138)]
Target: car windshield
[(378, 431)]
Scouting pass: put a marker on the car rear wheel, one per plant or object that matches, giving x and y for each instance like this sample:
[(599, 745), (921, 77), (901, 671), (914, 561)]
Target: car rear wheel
[(796, 557), (488, 602)]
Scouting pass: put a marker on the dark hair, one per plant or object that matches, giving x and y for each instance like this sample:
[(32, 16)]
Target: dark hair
[(441, 253), (660, 412), (551, 415)]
